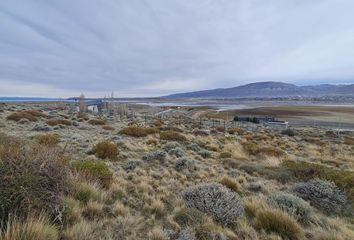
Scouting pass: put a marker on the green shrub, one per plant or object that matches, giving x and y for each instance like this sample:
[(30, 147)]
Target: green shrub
[(96, 170), (172, 136), (291, 204), (105, 149), (277, 221), (31, 177), (136, 131)]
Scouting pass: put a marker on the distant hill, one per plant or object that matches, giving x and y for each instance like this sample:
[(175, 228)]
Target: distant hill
[(269, 89)]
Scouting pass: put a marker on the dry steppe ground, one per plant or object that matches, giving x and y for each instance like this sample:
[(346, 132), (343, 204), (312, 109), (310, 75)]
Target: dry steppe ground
[(80, 176)]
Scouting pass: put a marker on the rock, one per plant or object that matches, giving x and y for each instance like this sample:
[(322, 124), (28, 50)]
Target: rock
[(75, 124)]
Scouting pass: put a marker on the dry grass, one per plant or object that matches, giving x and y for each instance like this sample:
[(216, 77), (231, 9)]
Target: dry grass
[(31, 115), (277, 221), (57, 121), (97, 122), (172, 136), (136, 131), (105, 149), (32, 228), (50, 140)]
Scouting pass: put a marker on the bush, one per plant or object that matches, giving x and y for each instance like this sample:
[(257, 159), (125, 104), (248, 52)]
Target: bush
[(323, 195), (31, 177), (97, 121), (178, 152), (212, 198), (291, 204), (204, 153), (32, 228), (50, 140), (105, 149), (305, 171), (135, 131), (200, 133), (96, 170), (290, 132), (157, 155), (171, 145), (31, 115), (275, 220), (56, 121), (194, 147), (172, 136), (82, 115), (131, 165), (184, 163)]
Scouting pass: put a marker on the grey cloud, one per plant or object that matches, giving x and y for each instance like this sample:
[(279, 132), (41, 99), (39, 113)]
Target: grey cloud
[(154, 47)]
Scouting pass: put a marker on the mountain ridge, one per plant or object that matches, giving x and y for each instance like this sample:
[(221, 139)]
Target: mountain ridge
[(269, 89)]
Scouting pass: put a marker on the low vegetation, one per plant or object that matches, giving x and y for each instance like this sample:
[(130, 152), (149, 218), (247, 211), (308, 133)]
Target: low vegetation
[(170, 179), (136, 131), (31, 115), (105, 149)]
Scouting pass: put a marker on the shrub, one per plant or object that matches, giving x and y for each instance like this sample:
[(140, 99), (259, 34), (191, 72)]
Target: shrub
[(97, 121), (204, 153), (349, 140), (31, 115), (184, 163), (56, 121), (32, 228), (49, 140), (82, 115), (178, 152), (291, 204), (172, 136), (230, 183), (289, 132), (277, 221), (323, 195), (131, 164), (225, 155), (212, 198), (105, 149), (305, 171), (31, 177), (96, 170), (136, 131), (171, 145), (157, 155), (194, 147)]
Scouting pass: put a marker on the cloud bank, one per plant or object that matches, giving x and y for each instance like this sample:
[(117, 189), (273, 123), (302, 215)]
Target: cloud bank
[(155, 47)]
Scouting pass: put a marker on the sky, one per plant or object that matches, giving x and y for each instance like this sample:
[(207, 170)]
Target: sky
[(142, 48)]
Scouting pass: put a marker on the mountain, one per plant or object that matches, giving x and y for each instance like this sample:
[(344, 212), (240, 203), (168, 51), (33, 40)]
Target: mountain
[(269, 89)]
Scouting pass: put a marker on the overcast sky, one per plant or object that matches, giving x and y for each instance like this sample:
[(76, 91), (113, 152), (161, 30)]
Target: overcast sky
[(60, 48)]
